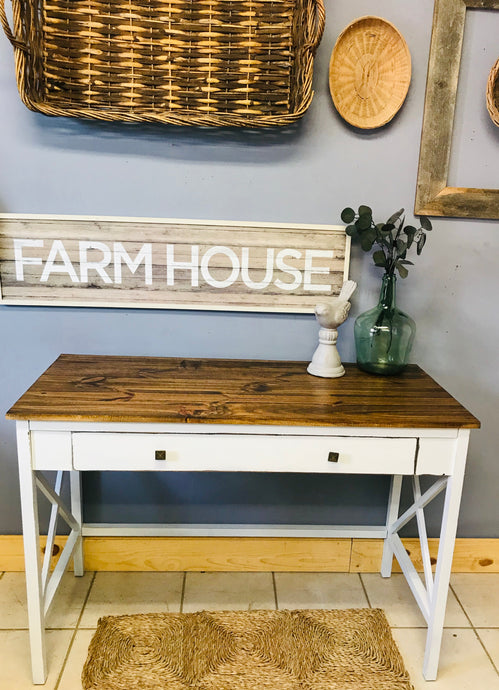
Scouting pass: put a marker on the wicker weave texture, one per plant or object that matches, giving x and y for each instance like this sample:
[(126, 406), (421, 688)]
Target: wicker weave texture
[(369, 72), (350, 649), (493, 93), (205, 62)]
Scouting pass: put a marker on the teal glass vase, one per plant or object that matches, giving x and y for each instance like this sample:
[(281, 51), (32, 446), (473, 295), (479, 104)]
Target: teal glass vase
[(384, 335)]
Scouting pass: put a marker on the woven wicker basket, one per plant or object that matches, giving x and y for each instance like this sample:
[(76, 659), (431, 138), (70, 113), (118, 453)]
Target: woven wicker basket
[(186, 62), (493, 93)]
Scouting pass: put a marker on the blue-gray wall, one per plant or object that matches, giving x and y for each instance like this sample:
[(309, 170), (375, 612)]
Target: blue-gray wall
[(306, 174)]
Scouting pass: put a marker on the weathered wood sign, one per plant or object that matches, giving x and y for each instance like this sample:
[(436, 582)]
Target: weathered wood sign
[(154, 263)]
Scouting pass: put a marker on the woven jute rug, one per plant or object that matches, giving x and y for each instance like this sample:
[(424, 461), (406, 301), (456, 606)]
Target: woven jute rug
[(246, 650)]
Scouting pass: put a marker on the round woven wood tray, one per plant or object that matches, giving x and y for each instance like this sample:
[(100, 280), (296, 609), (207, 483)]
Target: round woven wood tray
[(493, 93), (369, 72)]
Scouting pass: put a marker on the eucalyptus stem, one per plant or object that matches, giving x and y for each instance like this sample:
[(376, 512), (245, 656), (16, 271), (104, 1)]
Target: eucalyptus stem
[(393, 237)]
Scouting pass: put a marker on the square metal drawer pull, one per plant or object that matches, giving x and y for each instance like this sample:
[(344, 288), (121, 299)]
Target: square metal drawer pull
[(333, 456), (160, 455)]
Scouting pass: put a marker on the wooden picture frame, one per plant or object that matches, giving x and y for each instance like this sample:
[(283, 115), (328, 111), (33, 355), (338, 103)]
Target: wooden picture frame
[(433, 196)]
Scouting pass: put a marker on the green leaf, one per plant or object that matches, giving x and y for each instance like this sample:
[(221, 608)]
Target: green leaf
[(410, 230), (388, 227), (364, 221), (351, 230), (401, 246), (367, 240), (379, 258), (421, 243), (395, 217), (425, 223), (347, 215), (403, 272), (405, 262), (365, 210)]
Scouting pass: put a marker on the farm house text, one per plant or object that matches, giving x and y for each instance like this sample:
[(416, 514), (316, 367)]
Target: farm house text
[(219, 266)]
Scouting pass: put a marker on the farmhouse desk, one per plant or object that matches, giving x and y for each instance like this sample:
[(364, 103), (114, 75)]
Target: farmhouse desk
[(140, 413)]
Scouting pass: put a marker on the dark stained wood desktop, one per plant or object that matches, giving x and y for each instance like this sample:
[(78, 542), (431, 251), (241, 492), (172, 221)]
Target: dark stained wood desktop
[(95, 388)]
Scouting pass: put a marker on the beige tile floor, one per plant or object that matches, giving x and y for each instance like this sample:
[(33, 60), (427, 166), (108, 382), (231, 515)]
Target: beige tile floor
[(470, 649)]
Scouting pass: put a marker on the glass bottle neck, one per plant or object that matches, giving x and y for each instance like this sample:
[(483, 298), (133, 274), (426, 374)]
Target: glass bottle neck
[(387, 293)]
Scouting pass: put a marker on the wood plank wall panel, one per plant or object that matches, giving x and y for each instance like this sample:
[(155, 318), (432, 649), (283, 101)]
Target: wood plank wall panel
[(216, 391), (470, 555), (137, 263), (220, 554), (257, 554)]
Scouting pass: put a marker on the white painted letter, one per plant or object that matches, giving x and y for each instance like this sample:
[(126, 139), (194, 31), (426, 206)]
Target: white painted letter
[(268, 271), (310, 254), (231, 255), (57, 250), (172, 265), (21, 260), (144, 255), (86, 265), (281, 265)]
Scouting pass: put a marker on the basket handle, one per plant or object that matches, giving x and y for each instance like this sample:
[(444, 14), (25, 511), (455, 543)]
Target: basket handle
[(320, 22), (8, 31)]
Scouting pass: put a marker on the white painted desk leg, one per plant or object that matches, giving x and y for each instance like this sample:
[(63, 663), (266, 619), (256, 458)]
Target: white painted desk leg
[(438, 600), (76, 510), (391, 516), (32, 558)]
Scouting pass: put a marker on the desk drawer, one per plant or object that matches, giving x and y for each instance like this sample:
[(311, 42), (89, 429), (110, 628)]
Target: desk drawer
[(243, 453)]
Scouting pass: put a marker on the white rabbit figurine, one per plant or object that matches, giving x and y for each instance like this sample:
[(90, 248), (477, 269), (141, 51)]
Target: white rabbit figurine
[(326, 360)]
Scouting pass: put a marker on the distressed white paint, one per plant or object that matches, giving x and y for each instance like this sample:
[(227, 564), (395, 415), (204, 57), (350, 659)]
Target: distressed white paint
[(227, 530), (77, 512), (246, 429), (129, 446), (391, 515), (237, 452), (33, 567), (440, 590)]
